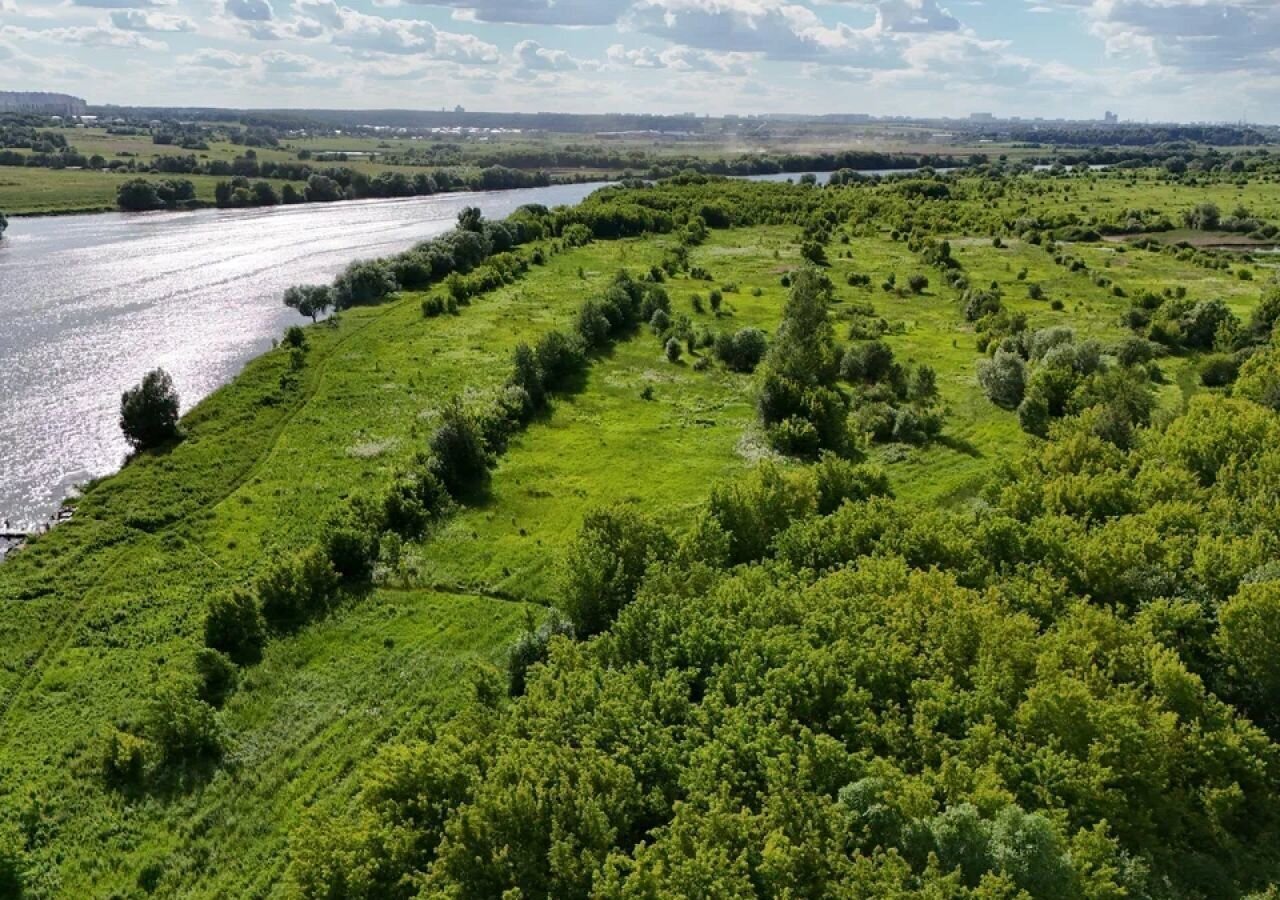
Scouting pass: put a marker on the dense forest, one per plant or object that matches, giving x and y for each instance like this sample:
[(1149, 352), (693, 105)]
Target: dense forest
[(907, 537)]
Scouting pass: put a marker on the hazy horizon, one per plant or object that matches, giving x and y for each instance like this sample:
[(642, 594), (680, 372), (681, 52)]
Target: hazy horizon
[(1147, 60)]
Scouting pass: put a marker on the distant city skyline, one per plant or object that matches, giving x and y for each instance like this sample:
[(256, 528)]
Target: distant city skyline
[(1157, 60)]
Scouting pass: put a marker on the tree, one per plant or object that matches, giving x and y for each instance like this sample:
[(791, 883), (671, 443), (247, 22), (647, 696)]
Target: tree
[(149, 412), (322, 189), (673, 350), (1003, 378), (604, 565), (918, 283), (311, 300), (458, 447), (138, 195), (4, 223)]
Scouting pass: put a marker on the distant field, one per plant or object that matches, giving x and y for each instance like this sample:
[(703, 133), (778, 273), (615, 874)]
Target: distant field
[(28, 191)]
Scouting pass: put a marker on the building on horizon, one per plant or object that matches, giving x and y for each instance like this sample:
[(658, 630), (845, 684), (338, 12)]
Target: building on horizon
[(1111, 118)]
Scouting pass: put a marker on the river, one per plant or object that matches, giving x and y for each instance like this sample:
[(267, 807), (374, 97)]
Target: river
[(90, 303)]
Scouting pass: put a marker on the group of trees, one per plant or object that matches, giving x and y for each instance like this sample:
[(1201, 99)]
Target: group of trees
[(1067, 691), (802, 406), (141, 195)]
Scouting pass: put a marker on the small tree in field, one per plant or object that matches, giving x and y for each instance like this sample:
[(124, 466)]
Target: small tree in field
[(311, 300), (149, 412)]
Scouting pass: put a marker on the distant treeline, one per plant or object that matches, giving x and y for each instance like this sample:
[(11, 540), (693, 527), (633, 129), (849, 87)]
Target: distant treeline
[(1133, 135)]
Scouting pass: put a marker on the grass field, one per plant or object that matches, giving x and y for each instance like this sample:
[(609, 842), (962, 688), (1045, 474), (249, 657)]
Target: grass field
[(99, 609)]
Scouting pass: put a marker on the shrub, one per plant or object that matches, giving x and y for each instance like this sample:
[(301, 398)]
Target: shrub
[(918, 283), (234, 626), (716, 300), (527, 374), (741, 351), (837, 480), (1035, 291), (432, 307), (364, 281), (215, 676), (754, 509), (673, 350), (350, 537), (1003, 378), (532, 647), (604, 565), (124, 759), (867, 362), (459, 450), (297, 588), (149, 412), (1219, 370), (414, 500), (560, 358), (182, 726)]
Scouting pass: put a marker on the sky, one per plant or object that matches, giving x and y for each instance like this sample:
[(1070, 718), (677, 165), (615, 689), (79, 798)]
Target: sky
[(1148, 60)]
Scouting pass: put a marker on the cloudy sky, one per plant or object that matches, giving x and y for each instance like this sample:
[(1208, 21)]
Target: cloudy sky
[(1147, 59)]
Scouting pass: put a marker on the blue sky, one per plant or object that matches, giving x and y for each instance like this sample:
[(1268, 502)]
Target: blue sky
[(1147, 59)]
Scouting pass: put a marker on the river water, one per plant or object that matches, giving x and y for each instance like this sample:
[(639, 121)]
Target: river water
[(88, 304)]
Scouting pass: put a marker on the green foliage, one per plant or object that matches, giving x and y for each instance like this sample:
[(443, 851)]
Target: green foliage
[(458, 449), (234, 626), (149, 412), (297, 588), (183, 727), (605, 563)]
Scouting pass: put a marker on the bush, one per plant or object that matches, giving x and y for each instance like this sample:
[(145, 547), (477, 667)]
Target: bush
[(742, 350), (412, 503), (527, 374), (532, 648), (673, 350), (215, 675), (364, 281), (432, 307), (182, 726), (837, 480), (867, 362), (754, 509), (459, 450), (1003, 378), (149, 412), (560, 358), (234, 626), (124, 759), (295, 589), (1219, 370), (350, 537), (918, 283), (604, 565)]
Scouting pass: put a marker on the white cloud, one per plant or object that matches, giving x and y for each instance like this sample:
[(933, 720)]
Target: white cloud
[(536, 12), (122, 4), (86, 36), (215, 59), (533, 57), (139, 20), (681, 59), (365, 34), (249, 10)]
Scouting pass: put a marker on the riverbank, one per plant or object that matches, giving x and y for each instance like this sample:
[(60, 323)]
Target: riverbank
[(89, 303)]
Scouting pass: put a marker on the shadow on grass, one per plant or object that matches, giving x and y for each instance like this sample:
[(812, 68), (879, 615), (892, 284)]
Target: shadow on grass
[(960, 445)]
